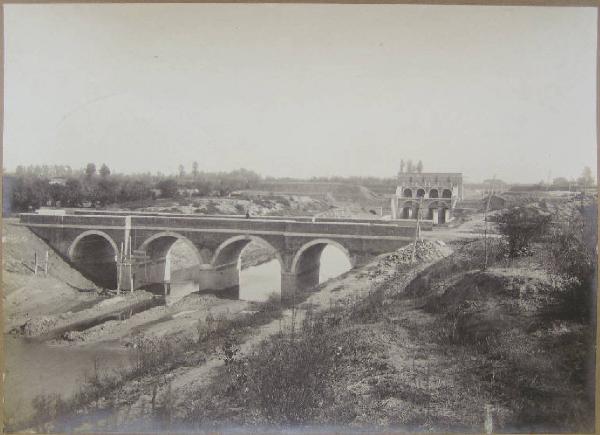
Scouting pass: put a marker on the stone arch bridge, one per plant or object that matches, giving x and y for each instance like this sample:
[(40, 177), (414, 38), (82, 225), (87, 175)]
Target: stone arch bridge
[(91, 241)]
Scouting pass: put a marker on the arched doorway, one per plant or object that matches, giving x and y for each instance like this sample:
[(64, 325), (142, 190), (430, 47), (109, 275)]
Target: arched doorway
[(447, 193), (420, 193), (407, 193), (433, 193), (94, 254), (442, 214), (408, 211)]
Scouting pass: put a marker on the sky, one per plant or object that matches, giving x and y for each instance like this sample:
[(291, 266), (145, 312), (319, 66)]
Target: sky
[(302, 90)]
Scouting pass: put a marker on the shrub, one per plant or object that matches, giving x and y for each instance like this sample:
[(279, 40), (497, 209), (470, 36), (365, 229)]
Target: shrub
[(523, 225)]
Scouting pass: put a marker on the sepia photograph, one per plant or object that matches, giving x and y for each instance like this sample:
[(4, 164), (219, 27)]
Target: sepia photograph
[(299, 217)]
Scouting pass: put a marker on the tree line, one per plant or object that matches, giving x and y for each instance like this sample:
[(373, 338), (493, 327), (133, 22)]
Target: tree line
[(59, 185), (410, 167)]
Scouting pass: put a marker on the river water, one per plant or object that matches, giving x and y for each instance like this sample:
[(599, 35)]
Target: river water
[(34, 368), (258, 282)]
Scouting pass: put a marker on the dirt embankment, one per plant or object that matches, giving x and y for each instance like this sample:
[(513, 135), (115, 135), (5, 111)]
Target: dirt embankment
[(450, 348), (256, 205), (182, 382), (28, 296)]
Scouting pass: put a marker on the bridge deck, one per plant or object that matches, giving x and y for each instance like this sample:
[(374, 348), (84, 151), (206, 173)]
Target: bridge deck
[(426, 224), (191, 223)]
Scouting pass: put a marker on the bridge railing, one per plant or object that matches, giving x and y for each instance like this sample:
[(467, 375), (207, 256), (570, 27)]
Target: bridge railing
[(69, 219), (398, 222), (183, 222)]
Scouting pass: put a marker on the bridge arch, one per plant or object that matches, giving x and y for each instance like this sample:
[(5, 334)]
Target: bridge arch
[(94, 254), (229, 251), (158, 245), (311, 252), (72, 248)]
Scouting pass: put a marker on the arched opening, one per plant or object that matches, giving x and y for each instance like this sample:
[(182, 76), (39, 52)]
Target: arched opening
[(447, 193), (442, 217), (318, 261), (433, 193), (420, 193), (434, 211), (407, 193), (334, 262), (94, 254), (408, 210), (172, 259), (257, 263)]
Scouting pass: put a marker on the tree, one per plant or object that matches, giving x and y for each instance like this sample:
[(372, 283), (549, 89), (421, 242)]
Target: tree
[(73, 193), (521, 226), (560, 181), (168, 187), (586, 178), (409, 166), (401, 166), (195, 169), (420, 167), (106, 191), (181, 171), (104, 171), (90, 170)]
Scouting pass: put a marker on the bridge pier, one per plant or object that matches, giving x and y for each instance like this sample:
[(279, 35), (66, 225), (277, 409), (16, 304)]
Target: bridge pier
[(216, 278), (294, 283)]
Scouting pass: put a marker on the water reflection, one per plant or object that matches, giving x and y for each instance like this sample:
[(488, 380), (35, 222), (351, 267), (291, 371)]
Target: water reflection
[(34, 368), (258, 282)]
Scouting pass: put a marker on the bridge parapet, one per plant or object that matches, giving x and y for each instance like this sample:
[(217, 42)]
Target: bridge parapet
[(398, 222), (68, 219)]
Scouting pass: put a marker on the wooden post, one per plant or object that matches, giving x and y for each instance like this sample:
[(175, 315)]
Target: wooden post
[(417, 231), (46, 266), (130, 267), (35, 263), (119, 268), (485, 229)]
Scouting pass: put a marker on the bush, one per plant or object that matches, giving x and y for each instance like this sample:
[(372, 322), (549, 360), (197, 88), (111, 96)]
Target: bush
[(523, 225)]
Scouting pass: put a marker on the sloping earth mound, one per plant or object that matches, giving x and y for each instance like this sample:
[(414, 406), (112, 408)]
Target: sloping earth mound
[(28, 296)]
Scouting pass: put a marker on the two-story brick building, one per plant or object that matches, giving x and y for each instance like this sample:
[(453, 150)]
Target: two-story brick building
[(432, 194)]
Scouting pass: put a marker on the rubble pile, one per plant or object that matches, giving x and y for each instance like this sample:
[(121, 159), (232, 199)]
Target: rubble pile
[(425, 251), (35, 327)]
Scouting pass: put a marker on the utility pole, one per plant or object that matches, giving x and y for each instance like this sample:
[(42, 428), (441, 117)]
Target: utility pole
[(120, 268), (130, 267), (485, 242), (417, 230)]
